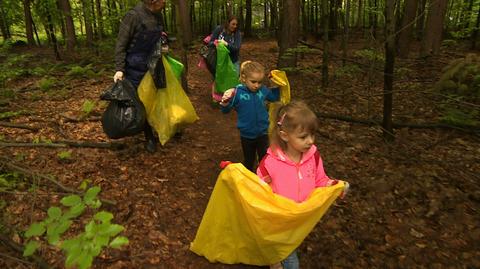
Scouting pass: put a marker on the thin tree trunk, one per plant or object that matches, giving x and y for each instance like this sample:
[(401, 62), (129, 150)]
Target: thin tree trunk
[(70, 27), (359, 15), (3, 23), (248, 18), (184, 35), (421, 18), (389, 67), (346, 20), (475, 32), (28, 22), (88, 22), (52, 36), (405, 36), (101, 30), (325, 43)]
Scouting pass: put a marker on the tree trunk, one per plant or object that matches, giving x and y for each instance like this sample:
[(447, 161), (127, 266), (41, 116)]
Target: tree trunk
[(51, 34), (475, 32), (273, 15), (248, 18), (325, 43), (346, 20), (333, 19), (359, 15), (388, 73), (101, 30), (70, 27), (433, 31), (184, 35), (305, 24), (421, 18), (87, 17), (290, 32), (28, 22), (408, 20), (3, 23), (265, 14), (230, 8)]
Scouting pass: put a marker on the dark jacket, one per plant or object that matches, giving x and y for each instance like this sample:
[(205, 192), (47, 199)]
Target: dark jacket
[(252, 114), (234, 41), (139, 32)]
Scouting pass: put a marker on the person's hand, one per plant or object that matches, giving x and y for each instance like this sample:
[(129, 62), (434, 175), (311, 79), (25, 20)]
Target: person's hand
[(165, 49), (118, 76), (223, 42), (227, 95)]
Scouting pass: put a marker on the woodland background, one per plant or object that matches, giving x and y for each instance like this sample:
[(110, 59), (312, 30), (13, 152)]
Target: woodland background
[(395, 83)]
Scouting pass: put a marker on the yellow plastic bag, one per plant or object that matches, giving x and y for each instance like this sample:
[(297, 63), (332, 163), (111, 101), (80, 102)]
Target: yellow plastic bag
[(168, 108), (245, 222), (279, 78)]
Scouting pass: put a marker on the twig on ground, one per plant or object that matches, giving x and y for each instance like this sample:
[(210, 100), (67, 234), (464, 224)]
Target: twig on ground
[(18, 126)]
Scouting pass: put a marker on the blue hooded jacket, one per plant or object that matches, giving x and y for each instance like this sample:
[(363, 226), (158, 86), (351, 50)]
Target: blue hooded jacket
[(252, 114)]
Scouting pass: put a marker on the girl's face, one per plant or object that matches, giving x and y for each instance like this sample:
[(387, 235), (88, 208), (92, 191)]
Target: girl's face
[(299, 140), (253, 81), (232, 25)]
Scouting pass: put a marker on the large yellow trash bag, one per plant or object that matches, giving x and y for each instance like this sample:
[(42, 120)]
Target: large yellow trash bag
[(279, 78), (167, 108), (245, 222)]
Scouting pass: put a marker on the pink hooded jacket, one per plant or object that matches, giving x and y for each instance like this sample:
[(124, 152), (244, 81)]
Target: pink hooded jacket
[(293, 180)]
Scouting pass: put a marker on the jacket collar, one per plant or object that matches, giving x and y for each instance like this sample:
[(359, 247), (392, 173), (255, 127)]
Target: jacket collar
[(277, 153)]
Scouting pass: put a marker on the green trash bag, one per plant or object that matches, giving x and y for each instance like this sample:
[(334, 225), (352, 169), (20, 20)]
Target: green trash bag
[(177, 67), (226, 76)]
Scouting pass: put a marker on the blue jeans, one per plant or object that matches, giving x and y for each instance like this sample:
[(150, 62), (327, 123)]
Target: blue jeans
[(291, 262)]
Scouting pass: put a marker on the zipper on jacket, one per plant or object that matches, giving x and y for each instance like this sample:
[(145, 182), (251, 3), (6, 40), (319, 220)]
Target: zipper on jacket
[(299, 177)]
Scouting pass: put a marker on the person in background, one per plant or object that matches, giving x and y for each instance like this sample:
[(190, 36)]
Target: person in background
[(140, 35), (248, 99), (292, 166), (229, 34)]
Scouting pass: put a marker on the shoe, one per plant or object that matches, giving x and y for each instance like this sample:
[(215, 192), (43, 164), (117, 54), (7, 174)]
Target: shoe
[(151, 146)]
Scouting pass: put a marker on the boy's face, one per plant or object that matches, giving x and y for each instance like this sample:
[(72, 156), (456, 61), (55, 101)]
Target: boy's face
[(253, 81)]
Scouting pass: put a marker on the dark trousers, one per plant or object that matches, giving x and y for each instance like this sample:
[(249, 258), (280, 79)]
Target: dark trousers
[(253, 148), (148, 131)]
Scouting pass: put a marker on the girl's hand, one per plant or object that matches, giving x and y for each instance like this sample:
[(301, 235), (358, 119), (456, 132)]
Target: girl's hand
[(223, 42)]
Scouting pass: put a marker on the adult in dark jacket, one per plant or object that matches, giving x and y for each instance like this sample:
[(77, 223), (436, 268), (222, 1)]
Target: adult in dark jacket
[(139, 38), (230, 35)]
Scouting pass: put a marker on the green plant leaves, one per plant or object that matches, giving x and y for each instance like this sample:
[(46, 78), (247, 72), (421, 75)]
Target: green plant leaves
[(54, 212), (30, 248), (91, 194), (118, 242), (103, 216), (71, 200), (75, 211), (36, 229)]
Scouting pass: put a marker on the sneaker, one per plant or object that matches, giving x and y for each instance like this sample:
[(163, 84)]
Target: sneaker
[(151, 146)]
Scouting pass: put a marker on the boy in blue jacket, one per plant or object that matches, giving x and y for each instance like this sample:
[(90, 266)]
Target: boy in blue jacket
[(248, 99)]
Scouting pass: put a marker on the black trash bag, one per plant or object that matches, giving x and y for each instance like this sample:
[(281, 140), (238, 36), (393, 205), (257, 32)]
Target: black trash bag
[(125, 114), (209, 53), (155, 66)]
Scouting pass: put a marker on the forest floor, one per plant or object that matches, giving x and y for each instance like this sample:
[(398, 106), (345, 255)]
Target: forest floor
[(414, 203)]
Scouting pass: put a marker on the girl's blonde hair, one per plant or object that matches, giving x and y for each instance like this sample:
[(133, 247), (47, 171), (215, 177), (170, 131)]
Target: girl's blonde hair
[(249, 67), (291, 117)]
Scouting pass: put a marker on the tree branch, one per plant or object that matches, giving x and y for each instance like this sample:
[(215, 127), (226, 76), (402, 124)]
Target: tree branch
[(6, 162), (19, 126), (19, 248), (467, 128), (64, 144)]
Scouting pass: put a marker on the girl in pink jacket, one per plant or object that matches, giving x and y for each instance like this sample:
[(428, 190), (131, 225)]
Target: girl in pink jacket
[(293, 166)]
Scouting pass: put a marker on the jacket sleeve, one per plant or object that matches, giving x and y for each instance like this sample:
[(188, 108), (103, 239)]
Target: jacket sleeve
[(125, 36), (262, 171), (233, 103), (321, 179), (216, 32), (273, 94), (235, 46)]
